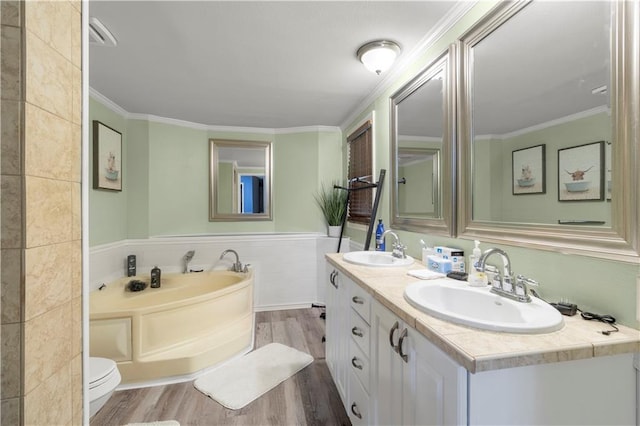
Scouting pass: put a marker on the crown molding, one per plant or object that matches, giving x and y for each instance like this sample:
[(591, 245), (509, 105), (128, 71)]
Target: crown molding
[(440, 29), (99, 97), (555, 122)]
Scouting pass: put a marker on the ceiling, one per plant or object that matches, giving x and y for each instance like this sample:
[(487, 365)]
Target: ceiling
[(265, 64)]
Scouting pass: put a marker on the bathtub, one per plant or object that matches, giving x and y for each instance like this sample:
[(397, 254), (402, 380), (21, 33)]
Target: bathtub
[(193, 321)]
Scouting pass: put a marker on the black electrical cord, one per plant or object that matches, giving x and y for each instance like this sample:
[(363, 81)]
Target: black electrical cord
[(607, 319)]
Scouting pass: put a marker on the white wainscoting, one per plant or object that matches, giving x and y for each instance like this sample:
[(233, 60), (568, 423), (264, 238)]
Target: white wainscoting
[(289, 268)]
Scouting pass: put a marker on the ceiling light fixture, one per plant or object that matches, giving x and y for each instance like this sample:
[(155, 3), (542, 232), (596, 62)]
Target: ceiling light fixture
[(378, 56)]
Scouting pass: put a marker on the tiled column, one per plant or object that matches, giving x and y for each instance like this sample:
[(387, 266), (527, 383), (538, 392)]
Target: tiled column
[(40, 212)]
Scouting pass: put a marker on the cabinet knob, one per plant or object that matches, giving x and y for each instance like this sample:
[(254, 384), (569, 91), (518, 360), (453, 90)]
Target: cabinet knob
[(357, 332), (355, 362), (356, 411), (391, 333)]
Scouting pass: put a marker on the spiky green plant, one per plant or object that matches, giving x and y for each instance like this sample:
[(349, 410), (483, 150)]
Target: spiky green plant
[(332, 202)]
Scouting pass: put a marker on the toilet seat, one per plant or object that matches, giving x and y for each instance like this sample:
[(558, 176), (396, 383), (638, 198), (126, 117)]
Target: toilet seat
[(104, 377), (100, 371)]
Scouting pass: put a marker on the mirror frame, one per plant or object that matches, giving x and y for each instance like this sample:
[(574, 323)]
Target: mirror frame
[(620, 241), (445, 63), (214, 214)]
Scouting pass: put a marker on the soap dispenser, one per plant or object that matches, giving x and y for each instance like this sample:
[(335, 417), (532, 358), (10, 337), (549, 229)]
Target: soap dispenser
[(475, 256), (476, 278)]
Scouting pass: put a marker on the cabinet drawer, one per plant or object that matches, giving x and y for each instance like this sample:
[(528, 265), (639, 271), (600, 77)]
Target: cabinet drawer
[(358, 407), (359, 364), (360, 301), (360, 332)]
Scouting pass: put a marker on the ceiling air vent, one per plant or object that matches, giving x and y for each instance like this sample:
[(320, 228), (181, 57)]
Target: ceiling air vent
[(99, 34)]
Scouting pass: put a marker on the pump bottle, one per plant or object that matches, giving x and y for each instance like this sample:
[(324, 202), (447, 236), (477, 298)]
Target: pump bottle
[(379, 239)]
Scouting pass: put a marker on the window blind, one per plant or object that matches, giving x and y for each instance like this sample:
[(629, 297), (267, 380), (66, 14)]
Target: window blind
[(360, 166)]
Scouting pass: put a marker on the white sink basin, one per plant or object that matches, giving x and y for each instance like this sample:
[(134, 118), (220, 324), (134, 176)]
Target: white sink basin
[(376, 258), (477, 307)]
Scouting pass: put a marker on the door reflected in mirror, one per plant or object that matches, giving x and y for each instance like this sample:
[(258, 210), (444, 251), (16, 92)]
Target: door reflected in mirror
[(418, 182), (421, 141), (240, 180), (540, 78)]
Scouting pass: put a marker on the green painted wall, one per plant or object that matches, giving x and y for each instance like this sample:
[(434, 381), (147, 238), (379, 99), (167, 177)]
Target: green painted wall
[(108, 209), (493, 169), (596, 285), (166, 181), (137, 184)]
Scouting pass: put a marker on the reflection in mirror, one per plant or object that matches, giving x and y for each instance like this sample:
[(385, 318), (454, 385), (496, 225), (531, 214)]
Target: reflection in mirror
[(421, 150), (418, 183), (532, 88), (240, 180), (538, 97)]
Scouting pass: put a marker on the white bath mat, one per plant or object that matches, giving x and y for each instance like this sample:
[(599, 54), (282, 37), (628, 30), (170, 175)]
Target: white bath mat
[(244, 379)]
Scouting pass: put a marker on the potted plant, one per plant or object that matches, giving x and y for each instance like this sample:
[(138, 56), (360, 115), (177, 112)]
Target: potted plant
[(333, 203)]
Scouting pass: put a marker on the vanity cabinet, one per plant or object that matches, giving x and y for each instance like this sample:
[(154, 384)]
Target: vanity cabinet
[(414, 382), (336, 338), (348, 337), (359, 364)]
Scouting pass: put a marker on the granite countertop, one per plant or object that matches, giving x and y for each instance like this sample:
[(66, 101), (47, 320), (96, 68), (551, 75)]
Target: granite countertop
[(479, 350)]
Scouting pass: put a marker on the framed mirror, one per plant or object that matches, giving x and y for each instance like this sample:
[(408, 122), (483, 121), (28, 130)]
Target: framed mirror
[(240, 180), (422, 150), (547, 139)]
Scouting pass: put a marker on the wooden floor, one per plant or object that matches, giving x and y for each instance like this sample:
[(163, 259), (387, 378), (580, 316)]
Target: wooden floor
[(308, 398)]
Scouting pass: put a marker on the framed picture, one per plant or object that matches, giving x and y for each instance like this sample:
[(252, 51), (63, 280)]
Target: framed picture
[(581, 172), (528, 170), (107, 157)]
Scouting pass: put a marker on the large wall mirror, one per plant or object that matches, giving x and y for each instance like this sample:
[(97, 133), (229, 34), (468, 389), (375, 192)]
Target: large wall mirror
[(422, 131), (240, 180), (548, 142)]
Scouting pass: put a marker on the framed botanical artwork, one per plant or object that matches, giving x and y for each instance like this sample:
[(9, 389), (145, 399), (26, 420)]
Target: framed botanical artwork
[(528, 171), (581, 172), (107, 157)]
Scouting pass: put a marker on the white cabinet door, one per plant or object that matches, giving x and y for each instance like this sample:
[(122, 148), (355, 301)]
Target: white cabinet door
[(414, 382), (336, 330), (386, 390), (434, 386)]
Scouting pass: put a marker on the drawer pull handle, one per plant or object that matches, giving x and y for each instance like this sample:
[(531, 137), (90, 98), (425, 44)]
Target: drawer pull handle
[(391, 333), (355, 363), (356, 411), (358, 300), (403, 335), (357, 332)]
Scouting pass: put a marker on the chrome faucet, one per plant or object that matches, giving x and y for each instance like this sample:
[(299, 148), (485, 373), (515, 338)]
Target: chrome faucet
[(503, 284), (398, 247), (186, 259), (237, 266)]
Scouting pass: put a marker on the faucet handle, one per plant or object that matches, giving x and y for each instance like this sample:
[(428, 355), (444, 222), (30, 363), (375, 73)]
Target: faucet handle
[(521, 286), (399, 250)]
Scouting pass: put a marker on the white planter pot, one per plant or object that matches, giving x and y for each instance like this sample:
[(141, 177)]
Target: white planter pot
[(334, 231)]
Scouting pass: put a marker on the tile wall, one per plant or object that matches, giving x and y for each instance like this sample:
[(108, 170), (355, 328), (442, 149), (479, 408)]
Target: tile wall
[(40, 164)]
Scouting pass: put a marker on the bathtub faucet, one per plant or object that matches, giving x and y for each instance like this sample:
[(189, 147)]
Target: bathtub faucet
[(187, 258), (237, 266)]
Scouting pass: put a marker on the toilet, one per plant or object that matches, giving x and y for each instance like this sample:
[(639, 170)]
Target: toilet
[(104, 377)]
